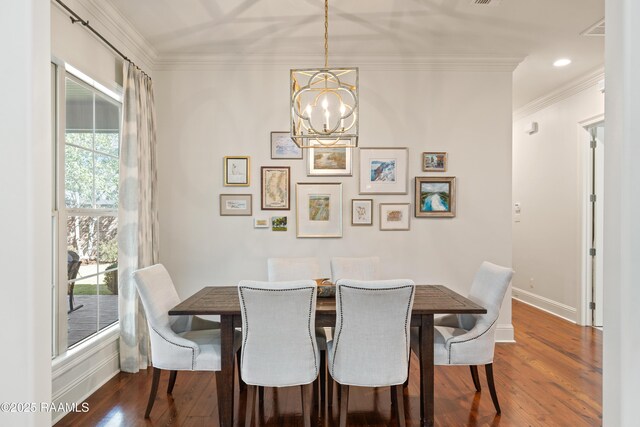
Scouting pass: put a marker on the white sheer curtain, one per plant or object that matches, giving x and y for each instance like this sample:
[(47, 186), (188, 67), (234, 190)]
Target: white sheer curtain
[(137, 213)]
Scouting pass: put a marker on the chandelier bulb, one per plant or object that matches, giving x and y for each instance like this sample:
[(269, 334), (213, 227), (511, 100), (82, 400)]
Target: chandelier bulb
[(325, 103)]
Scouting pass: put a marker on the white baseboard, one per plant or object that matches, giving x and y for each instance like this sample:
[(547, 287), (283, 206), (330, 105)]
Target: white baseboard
[(545, 304), (504, 333)]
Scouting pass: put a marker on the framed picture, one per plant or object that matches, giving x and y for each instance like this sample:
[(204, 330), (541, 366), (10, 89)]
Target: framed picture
[(275, 189), (260, 223), (279, 223), (283, 147), (236, 171), (319, 209), (394, 216), (361, 211), (235, 204), (383, 170), (434, 162), (435, 197), (328, 161)]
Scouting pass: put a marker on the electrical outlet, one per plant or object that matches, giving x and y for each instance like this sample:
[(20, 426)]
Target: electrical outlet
[(531, 283)]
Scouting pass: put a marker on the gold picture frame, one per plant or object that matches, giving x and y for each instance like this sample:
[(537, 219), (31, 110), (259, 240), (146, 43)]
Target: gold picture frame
[(435, 197), (237, 171)]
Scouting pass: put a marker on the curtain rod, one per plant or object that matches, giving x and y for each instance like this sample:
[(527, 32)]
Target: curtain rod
[(75, 18)]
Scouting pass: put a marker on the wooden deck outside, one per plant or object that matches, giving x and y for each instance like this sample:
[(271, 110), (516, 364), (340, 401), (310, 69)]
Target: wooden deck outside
[(83, 322), (552, 376)]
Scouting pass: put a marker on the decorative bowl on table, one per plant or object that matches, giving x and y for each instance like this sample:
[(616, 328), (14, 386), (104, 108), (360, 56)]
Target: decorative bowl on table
[(326, 289)]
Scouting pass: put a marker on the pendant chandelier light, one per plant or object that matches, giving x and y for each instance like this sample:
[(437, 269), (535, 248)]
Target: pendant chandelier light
[(324, 103)]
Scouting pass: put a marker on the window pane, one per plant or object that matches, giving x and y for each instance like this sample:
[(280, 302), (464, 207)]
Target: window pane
[(107, 115), (108, 300), (79, 104), (107, 142), (108, 244), (81, 245), (82, 139), (78, 179), (107, 181), (83, 320)]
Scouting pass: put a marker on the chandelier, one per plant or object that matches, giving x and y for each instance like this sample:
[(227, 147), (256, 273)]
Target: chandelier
[(324, 103)]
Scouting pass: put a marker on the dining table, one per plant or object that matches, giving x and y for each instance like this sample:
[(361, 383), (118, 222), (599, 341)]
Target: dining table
[(223, 301)]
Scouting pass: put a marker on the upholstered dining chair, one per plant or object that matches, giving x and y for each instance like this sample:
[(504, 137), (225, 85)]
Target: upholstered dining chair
[(287, 269), (469, 339), (178, 343), (279, 347), (364, 268), (370, 347)]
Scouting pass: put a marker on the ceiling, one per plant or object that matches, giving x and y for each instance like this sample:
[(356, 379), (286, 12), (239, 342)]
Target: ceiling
[(538, 30)]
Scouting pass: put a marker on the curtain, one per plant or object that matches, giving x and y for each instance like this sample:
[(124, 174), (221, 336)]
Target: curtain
[(137, 213)]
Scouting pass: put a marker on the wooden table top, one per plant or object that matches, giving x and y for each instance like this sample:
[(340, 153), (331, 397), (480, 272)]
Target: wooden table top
[(429, 299)]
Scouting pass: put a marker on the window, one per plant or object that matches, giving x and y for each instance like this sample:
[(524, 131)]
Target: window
[(88, 220)]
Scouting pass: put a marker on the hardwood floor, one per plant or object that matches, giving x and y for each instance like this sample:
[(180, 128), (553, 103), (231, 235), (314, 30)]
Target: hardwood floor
[(552, 376)]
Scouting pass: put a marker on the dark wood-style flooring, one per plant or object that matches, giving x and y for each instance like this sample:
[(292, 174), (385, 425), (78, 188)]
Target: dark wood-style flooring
[(552, 376)]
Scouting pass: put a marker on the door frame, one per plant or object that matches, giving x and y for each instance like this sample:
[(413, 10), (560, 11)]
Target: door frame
[(584, 170)]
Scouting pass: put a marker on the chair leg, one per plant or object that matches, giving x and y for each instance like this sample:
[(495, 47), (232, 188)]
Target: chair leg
[(260, 394), (344, 404), (492, 387), (241, 384), (323, 377), (172, 381), (329, 391), (475, 377), (154, 391), (307, 402), (406, 383), (251, 402), (397, 396)]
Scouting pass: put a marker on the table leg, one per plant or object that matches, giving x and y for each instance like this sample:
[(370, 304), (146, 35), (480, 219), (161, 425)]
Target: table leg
[(224, 380), (426, 370)]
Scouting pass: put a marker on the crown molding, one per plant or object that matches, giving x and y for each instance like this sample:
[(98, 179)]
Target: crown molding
[(563, 92), (373, 62), (116, 28)]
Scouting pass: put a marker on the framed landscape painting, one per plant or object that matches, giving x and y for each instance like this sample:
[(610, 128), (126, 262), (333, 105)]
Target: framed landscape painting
[(319, 209), (394, 216), (328, 161), (434, 162), (235, 204), (236, 171), (435, 197), (383, 170), (361, 211), (275, 189), (278, 223), (283, 147)]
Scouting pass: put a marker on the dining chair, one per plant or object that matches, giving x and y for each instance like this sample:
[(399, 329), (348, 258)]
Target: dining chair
[(178, 343), (469, 339), (364, 268), (370, 347), (279, 347), (287, 269)]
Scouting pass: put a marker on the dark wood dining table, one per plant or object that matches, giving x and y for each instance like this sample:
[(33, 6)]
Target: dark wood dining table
[(223, 301)]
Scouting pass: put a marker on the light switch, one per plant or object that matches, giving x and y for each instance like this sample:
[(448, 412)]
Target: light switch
[(516, 212)]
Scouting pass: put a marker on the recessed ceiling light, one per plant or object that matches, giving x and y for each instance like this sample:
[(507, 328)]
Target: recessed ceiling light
[(563, 62)]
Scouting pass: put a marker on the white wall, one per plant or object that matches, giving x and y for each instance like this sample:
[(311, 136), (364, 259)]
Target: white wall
[(547, 182), (208, 112), (25, 174), (622, 231)]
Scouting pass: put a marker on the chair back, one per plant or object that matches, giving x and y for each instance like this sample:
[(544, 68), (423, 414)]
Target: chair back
[(279, 345), (371, 340), (159, 295), (288, 269), (488, 289), (365, 268)]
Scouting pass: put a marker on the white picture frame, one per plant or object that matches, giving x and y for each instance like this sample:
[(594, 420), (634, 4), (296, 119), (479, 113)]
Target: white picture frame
[(384, 170), (235, 204), (284, 147), (361, 212), (319, 210), (329, 161), (395, 216)]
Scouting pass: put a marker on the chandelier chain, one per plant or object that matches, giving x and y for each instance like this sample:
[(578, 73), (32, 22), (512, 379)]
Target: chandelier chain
[(326, 33)]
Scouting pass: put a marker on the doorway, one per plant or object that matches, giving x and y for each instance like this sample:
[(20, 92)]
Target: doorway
[(593, 196)]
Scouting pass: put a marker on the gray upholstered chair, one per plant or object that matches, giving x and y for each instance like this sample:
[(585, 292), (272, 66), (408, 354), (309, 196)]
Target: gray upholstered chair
[(365, 268), (287, 269), (279, 347), (469, 339), (178, 343), (370, 347)]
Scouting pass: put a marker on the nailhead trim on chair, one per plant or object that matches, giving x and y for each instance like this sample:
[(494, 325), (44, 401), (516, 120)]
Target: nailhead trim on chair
[(470, 339), (246, 322), (406, 338), (193, 351)]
